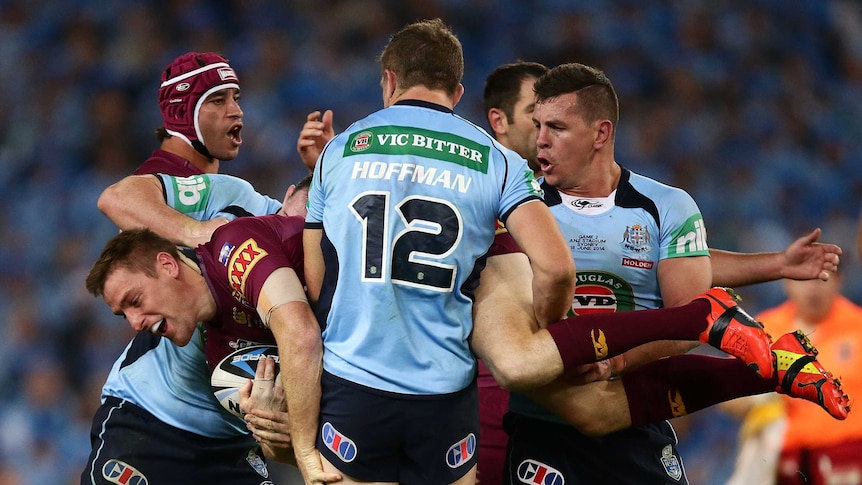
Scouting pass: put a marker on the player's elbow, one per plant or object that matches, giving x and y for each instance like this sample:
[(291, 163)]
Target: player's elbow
[(109, 202), (513, 375), (564, 274), (559, 277)]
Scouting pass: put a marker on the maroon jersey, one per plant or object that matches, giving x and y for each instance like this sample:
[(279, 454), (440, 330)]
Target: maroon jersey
[(503, 243), (235, 263), (168, 163)]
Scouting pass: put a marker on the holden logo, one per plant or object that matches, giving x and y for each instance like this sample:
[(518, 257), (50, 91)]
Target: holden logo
[(183, 86)]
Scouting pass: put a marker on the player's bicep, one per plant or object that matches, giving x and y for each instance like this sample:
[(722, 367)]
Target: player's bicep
[(681, 279), (534, 229), (281, 287)]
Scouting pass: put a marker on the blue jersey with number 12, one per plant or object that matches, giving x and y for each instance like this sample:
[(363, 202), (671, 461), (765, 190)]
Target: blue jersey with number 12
[(407, 199)]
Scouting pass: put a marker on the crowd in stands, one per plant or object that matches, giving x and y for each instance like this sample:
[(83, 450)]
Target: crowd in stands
[(755, 108)]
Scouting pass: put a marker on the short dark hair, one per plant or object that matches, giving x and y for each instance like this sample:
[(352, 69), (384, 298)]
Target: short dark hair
[(503, 85), (426, 54), (597, 98), (135, 250), (304, 183)]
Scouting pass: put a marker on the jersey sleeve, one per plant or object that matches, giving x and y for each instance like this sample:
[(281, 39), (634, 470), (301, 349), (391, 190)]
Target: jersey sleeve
[(314, 217), (520, 185), (683, 233), (205, 197)]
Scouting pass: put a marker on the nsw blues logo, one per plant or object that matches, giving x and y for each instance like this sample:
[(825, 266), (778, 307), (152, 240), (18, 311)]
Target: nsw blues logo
[(671, 463), (537, 473), (257, 463), (121, 473), (636, 239), (461, 452), (341, 445)]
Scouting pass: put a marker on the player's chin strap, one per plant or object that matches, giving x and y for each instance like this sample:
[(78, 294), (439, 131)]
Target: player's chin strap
[(197, 145)]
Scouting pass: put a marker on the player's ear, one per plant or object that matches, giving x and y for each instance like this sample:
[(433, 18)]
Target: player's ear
[(604, 133), (498, 121), (389, 84), (288, 193), (166, 264), (459, 91)]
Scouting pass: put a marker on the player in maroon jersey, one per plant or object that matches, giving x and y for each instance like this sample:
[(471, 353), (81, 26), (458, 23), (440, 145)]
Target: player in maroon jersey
[(246, 285)]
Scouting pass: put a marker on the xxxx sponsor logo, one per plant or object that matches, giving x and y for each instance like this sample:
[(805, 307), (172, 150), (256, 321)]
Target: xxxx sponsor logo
[(246, 256)]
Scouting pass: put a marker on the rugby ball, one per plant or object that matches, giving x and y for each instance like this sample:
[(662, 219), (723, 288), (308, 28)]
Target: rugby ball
[(234, 370)]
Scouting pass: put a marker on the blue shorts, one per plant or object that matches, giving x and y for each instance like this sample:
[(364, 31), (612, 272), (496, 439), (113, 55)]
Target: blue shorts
[(133, 447), (380, 436), (550, 453)]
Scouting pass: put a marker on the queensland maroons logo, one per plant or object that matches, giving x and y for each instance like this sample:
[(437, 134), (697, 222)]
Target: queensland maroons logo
[(598, 292)]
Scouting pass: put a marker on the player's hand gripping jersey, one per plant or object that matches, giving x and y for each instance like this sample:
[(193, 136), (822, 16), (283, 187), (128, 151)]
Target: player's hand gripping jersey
[(408, 215)]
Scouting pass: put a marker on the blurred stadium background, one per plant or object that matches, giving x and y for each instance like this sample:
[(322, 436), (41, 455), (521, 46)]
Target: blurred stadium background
[(754, 107)]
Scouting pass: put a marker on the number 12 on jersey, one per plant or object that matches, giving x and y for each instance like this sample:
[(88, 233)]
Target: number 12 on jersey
[(416, 255)]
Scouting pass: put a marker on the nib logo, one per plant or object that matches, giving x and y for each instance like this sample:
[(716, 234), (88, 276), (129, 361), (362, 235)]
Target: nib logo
[(342, 446), (600, 344), (536, 473), (121, 473), (461, 452)]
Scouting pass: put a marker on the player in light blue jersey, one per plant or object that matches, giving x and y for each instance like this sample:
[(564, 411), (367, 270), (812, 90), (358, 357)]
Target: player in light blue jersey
[(639, 244), (401, 214)]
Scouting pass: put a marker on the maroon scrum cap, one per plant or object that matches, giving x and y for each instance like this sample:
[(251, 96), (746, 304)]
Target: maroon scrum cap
[(186, 83)]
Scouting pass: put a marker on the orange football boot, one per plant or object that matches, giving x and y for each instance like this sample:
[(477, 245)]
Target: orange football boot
[(801, 375), (734, 331)]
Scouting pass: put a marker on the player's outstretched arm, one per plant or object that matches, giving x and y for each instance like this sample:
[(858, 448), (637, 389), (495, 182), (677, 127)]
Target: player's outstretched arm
[(137, 201), (315, 133), (803, 259)]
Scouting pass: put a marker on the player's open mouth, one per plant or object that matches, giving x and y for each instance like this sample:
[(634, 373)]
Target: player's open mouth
[(234, 134), (158, 327)]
